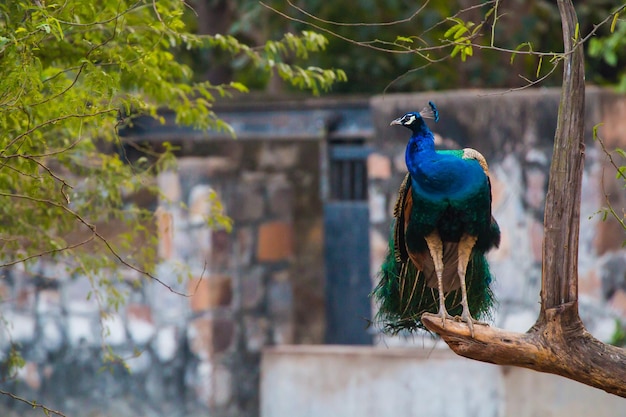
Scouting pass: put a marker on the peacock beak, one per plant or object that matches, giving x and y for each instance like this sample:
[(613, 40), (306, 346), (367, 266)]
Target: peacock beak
[(396, 122)]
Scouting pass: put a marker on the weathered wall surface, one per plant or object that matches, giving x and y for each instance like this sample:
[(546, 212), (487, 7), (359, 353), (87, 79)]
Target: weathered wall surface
[(320, 381), (187, 356)]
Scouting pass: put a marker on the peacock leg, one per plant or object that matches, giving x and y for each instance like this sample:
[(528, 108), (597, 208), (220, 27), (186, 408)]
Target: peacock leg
[(435, 246), (466, 244)]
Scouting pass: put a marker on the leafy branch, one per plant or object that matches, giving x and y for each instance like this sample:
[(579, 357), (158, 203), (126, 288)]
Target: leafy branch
[(620, 174), (463, 34)]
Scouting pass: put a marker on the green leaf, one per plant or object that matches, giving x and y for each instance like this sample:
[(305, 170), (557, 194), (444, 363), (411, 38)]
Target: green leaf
[(403, 39), (595, 130), (614, 22)]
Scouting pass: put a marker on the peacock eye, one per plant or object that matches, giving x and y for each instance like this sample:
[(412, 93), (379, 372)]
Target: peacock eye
[(408, 120)]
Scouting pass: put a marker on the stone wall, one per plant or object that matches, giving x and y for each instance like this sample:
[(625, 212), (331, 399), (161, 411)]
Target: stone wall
[(186, 356), (262, 284)]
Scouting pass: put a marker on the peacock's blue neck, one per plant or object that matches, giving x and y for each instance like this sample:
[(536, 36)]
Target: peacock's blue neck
[(421, 143)]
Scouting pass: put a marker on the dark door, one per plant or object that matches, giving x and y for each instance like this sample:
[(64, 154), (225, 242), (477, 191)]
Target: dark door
[(347, 249)]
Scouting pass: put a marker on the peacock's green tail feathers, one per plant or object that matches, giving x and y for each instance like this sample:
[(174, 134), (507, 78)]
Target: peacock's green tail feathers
[(402, 294)]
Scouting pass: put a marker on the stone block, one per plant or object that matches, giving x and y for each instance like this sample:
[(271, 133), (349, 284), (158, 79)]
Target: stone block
[(30, 375), (210, 292), (165, 232), (221, 250), (201, 203), (223, 386), (114, 331), (275, 241), (49, 302), (256, 332), (399, 161), (589, 284), (172, 307), (169, 184), (207, 166), (377, 204), (244, 246), (18, 327), (140, 362), (281, 276), (25, 297), (140, 323), (499, 189), (74, 296), (278, 156), (165, 344), (82, 330), (51, 334), (536, 181), (283, 333), (536, 239), (247, 203), (5, 291), (280, 299), (280, 196), (378, 166), (213, 384), (210, 335), (618, 302), (251, 287)]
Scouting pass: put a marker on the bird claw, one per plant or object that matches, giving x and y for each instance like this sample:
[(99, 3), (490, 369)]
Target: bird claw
[(466, 318), (445, 316)]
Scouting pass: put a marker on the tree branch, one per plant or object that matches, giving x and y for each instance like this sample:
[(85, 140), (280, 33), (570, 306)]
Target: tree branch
[(561, 346)]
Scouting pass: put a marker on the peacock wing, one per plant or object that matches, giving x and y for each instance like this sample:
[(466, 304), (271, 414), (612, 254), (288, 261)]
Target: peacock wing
[(494, 232), (402, 213)]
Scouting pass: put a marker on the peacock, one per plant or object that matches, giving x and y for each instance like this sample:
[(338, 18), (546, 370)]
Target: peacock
[(443, 227)]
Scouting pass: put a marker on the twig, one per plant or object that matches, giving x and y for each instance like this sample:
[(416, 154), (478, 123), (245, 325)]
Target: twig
[(32, 404), (95, 233)]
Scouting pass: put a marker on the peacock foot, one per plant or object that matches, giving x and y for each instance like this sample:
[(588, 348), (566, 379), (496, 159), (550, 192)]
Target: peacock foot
[(443, 313), (467, 318)]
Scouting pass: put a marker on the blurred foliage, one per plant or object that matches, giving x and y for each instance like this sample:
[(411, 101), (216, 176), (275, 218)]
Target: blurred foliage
[(618, 338), (363, 29), (71, 74)]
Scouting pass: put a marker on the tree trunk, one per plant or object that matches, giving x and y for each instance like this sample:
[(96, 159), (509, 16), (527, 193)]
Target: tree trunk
[(558, 342)]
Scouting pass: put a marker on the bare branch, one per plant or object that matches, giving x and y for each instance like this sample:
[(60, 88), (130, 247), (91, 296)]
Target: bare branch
[(98, 235), (561, 346), (392, 23), (48, 252), (53, 121), (33, 404), (621, 174)]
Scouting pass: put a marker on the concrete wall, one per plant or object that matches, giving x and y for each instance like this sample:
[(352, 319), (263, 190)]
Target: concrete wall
[(339, 381)]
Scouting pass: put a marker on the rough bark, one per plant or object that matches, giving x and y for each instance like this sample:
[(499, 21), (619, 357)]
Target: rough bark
[(558, 342), (560, 345)]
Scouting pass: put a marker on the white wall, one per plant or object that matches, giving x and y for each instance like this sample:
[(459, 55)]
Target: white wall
[(346, 381)]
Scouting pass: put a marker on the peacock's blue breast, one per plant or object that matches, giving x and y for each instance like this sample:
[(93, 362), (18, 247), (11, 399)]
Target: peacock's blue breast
[(447, 177)]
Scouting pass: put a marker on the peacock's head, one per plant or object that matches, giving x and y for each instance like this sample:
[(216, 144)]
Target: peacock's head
[(414, 120)]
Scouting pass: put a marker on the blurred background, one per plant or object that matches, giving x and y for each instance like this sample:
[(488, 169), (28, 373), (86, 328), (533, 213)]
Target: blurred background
[(280, 322)]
